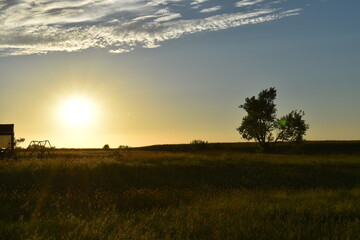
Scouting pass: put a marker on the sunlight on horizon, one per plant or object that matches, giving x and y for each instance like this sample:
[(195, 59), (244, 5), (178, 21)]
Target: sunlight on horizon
[(77, 112)]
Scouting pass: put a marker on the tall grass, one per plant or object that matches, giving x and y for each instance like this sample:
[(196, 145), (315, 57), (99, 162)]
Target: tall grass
[(162, 195)]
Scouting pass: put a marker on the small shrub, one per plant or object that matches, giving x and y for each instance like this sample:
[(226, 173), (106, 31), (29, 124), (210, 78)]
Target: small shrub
[(124, 147), (199, 144)]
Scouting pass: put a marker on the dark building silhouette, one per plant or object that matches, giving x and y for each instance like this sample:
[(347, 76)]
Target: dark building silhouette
[(7, 139)]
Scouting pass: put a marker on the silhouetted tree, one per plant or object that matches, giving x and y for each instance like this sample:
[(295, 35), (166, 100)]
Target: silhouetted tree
[(291, 127), (106, 147), (262, 125), (18, 141)]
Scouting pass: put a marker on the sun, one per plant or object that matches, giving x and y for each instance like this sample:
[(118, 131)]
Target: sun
[(77, 112)]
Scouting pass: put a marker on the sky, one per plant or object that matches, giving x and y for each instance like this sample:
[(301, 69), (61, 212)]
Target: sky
[(84, 73)]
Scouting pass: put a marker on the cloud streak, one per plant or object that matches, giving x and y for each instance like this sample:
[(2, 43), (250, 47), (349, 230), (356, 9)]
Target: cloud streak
[(39, 27), (209, 10), (246, 3)]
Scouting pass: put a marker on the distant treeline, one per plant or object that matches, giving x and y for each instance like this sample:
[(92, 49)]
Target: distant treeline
[(307, 147)]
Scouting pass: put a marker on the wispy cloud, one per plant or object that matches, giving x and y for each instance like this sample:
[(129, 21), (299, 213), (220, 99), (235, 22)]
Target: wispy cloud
[(161, 2), (212, 9), (245, 3), (42, 26), (168, 17), (198, 2)]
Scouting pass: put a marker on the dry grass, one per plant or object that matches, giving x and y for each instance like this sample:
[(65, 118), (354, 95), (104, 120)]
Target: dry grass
[(162, 195)]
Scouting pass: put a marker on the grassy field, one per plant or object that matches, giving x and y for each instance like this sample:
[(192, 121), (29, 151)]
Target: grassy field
[(218, 194)]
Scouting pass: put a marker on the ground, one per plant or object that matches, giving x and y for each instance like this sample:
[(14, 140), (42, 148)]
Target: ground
[(199, 194)]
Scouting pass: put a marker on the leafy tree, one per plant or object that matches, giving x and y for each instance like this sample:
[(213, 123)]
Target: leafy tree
[(292, 127), (106, 147), (262, 125)]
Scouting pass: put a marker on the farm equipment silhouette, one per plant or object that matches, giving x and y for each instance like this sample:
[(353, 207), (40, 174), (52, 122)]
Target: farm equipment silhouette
[(40, 149)]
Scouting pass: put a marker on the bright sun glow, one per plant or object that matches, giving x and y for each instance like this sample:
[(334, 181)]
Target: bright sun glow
[(77, 112)]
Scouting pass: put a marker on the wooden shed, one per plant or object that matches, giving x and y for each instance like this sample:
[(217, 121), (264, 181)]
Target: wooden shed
[(7, 141)]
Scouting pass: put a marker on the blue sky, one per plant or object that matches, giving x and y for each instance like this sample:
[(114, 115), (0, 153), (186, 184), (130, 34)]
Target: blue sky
[(173, 71)]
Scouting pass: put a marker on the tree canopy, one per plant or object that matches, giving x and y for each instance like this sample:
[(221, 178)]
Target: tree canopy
[(262, 124)]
